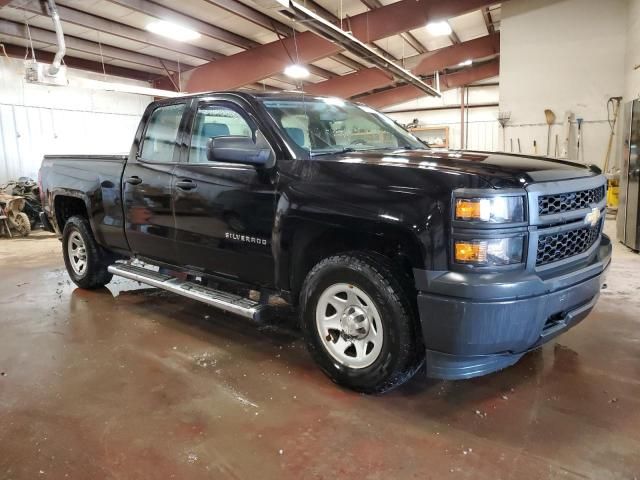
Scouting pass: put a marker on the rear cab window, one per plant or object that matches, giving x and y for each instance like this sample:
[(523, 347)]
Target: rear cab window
[(159, 142)]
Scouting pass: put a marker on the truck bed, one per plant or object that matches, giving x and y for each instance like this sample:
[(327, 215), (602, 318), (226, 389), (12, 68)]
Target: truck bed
[(97, 181)]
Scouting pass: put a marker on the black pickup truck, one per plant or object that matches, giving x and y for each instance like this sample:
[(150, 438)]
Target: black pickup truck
[(394, 254)]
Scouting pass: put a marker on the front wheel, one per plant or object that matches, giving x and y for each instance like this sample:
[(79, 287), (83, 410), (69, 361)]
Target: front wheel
[(358, 322), (85, 261)]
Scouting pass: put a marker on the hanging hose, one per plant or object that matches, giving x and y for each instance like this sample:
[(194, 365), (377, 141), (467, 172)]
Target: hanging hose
[(613, 109), (613, 180), (62, 49)]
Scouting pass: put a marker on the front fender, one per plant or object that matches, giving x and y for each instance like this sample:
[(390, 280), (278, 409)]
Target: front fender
[(308, 225)]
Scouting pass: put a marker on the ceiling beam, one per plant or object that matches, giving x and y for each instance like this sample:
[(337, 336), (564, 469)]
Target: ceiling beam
[(17, 51), (453, 55), (251, 14), (100, 24), (454, 37), (258, 63), (347, 62), (159, 11), (488, 21), (271, 58), (346, 41), (18, 30), (372, 78), (352, 84), (265, 21), (407, 36), (406, 15), (404, 93), (470, 75), (345, 22)]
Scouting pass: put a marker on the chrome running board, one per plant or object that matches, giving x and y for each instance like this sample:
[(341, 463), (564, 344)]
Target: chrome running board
[(229, 302)]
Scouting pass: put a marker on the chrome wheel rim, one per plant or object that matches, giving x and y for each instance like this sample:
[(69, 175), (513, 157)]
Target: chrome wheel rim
[(77, 253), (349, 325)]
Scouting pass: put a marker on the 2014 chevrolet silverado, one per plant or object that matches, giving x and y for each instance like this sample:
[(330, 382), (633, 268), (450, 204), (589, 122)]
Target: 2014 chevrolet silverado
[(394, 254)]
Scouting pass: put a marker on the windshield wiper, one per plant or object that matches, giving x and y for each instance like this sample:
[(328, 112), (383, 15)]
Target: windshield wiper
[(400, 147), (368, 149), (334, 152)]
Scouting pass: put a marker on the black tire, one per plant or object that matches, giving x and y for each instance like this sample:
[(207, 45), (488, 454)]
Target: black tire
[(22, 224), (402, 351), (95, 274)]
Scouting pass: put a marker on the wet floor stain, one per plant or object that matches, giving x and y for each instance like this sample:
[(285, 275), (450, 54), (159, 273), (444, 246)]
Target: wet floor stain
[(129, 382)]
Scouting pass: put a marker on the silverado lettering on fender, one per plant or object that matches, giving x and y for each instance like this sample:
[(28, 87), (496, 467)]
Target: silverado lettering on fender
[(395, 255)]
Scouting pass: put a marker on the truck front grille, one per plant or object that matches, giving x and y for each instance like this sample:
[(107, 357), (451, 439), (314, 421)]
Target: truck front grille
[(570, 201), (558, 246)]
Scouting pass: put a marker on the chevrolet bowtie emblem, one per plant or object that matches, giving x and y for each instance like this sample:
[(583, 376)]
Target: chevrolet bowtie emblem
[(593, 217)]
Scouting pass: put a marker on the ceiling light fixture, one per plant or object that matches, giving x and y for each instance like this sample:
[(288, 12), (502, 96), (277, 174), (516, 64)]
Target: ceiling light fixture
[(466, 63), (335, 101), (173, 31), (439, 29), (296, 71)]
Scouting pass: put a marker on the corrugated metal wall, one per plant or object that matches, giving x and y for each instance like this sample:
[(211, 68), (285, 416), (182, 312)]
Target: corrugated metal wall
[(37, 120)]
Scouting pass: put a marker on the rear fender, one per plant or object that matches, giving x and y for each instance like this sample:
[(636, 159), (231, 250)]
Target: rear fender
[(57, 217)]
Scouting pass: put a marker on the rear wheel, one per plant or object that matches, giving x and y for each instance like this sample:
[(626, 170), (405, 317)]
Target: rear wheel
[(22, 224), (358, 322), (85, 261)]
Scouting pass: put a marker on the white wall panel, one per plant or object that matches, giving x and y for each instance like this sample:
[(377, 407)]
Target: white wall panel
[(483, 128), (563, 55), (36, 120), (632, 60)]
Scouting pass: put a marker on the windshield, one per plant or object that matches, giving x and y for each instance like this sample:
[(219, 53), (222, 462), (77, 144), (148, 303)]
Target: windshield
[(321, 126)]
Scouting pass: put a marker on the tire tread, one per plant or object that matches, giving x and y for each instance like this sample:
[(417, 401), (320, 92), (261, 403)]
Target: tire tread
[(390, 278), (98, 261)]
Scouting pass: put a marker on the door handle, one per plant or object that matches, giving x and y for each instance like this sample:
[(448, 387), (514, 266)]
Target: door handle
[(186, 184), (134, 180)]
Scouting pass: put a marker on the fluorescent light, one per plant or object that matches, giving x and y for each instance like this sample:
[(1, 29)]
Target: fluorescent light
[(466, 63), (439, 29), (338, 102), (296, 71), (173, 31)]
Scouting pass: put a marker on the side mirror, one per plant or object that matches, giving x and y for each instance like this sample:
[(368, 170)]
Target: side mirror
[(238, 149)]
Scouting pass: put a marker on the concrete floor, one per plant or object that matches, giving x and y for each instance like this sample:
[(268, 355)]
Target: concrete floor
[(134, 383)]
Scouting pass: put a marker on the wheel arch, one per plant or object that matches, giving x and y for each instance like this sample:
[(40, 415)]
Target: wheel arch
[(311, 241), (67, 205)]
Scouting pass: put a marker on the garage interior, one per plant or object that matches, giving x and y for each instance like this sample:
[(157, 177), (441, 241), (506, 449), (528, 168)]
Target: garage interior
[(130, 382)]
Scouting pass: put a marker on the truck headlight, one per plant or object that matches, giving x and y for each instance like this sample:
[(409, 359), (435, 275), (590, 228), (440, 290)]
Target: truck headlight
[(489, 252), (495, 209)]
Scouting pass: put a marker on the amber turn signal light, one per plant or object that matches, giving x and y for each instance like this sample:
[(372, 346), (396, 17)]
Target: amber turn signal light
[(468, 209), (467, 252)]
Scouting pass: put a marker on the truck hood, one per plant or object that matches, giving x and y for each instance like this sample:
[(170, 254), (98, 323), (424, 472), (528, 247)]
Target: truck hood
[(500, 170)]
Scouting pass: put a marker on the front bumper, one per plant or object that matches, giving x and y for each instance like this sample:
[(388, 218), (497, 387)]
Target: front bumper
[(474, 324)]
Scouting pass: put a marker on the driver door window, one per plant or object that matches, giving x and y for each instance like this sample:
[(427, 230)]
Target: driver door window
[(297, 127), (215, 121)]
